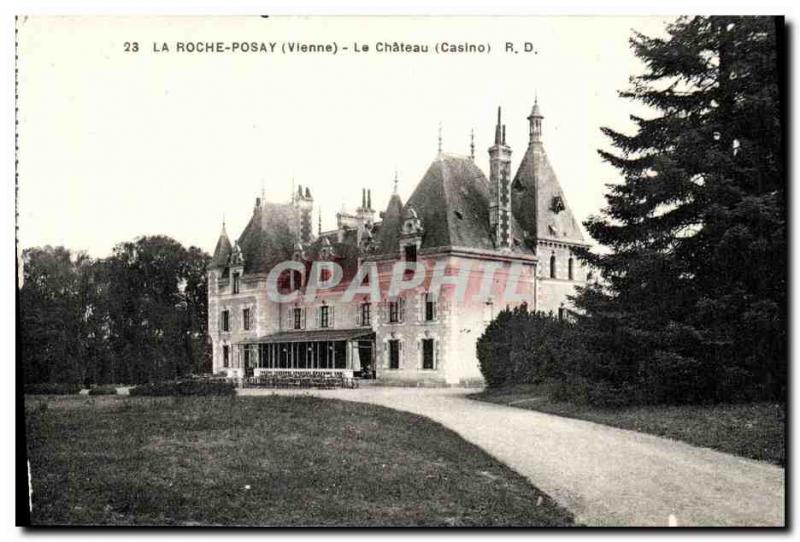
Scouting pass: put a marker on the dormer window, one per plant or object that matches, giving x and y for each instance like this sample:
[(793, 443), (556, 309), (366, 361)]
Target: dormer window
[(236, 282), (326, 250), (324, 274), (557, 204)]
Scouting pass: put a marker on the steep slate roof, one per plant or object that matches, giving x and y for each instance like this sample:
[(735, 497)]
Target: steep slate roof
[(534, 188), (268, 238), (222, 251), (388, 236), (452, 200), (346, 254)]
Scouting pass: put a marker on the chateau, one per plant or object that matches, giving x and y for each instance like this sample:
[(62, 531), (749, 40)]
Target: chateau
[(487, 237)]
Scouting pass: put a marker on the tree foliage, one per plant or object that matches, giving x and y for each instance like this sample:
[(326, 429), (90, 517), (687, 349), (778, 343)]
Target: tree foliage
[(691, 305), (137, 316)]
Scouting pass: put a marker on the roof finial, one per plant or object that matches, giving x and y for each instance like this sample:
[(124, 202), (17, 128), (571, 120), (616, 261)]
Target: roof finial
[(395, 181), (440, 137), (535, 120), (223, 225), (472, 144), (293, 190), (319, 222)]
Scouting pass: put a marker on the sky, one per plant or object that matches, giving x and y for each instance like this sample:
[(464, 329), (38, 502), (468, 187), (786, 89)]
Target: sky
[(116, 144)]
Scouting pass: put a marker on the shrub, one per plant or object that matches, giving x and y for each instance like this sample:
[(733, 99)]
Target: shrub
[(49, 388), (184, 388), (522, 347), (103, 390)]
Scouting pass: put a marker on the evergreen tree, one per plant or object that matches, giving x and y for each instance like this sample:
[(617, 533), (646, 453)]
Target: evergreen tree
[(692, 305)]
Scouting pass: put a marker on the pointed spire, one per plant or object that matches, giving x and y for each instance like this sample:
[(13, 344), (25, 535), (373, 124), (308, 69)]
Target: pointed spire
[(222, 251), (472, 144)]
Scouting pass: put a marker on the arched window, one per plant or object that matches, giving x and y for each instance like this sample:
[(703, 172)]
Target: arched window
[(571, 268), (553, 266)]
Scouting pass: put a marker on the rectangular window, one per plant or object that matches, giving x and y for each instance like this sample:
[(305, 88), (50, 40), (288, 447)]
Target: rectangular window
[(430, 308), (246, 319), (324, 316), (247, 357), (226, 320), (226, 355), (236, 279), (427, 354), (411, 253), (297, 315), (396, 309), (394, 354), (365, 314)]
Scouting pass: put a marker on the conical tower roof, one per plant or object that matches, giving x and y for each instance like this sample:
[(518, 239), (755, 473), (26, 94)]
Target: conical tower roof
[(538, 202), (223, 250), (388, 238)]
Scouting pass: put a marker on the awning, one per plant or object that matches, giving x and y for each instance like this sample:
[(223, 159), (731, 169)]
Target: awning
[(319, 335)]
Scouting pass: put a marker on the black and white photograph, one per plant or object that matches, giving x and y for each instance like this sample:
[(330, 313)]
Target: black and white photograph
[(450, 271)]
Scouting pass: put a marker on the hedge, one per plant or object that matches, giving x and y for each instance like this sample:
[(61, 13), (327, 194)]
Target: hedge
[(103, 390), (184, 388), (50, 388)]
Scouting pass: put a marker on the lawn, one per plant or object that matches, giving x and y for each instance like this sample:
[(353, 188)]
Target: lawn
[(754, 430), (263, 461)]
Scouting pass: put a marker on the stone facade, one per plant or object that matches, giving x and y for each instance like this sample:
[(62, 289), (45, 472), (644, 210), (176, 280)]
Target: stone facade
[(456, 221)]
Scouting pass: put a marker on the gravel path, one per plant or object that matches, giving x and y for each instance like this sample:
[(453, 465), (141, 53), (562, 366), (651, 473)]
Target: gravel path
[(605, 476)]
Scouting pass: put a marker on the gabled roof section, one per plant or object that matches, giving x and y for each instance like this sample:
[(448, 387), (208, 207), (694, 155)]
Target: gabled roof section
[(452, 200), (269, 237), (537, 201)]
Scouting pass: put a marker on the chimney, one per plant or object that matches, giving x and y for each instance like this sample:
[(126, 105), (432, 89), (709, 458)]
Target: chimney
[(304, 204), (500, 187), (369, 198), (497, 129)]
